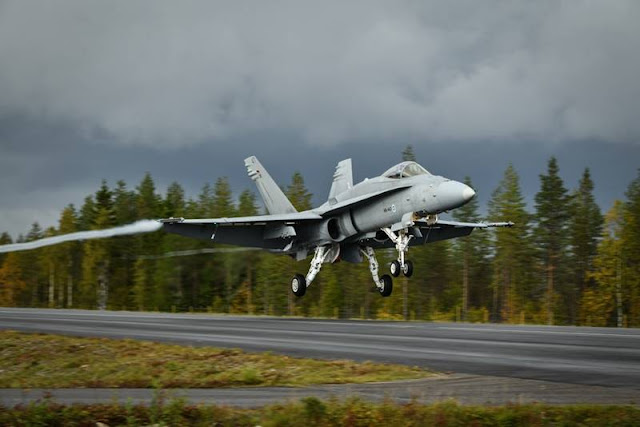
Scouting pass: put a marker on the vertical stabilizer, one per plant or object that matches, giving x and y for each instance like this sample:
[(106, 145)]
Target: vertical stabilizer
[(274, 199), (342, 179)]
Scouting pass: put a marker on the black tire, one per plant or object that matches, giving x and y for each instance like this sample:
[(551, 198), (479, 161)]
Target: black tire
[(387, 285), (394, 268), (298, 285), (408, 268)]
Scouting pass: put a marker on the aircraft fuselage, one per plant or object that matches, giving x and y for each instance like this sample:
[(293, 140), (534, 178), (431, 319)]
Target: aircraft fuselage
[(396, 200)]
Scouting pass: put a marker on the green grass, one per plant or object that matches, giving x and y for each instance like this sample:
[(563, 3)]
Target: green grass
[(313, 412), (53, 361)]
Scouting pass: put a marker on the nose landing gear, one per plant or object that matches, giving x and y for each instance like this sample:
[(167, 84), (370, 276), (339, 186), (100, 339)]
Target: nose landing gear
[(401, 240)]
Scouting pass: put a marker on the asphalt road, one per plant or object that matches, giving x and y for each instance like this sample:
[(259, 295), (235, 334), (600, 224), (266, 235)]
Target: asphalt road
[(463, 388), (571, 355)]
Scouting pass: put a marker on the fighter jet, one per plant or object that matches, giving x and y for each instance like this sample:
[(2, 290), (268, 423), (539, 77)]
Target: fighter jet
[(397, 209)]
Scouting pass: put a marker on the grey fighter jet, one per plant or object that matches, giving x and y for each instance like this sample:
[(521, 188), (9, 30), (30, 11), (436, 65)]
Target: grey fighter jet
[(396, 209)]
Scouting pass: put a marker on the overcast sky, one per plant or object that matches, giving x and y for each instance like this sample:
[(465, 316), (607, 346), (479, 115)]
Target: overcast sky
[(187, 90)]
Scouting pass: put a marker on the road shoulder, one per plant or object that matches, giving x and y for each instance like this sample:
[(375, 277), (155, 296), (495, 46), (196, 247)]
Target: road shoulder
[(462, 388)]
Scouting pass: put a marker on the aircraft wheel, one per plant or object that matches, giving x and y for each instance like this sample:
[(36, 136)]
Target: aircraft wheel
[(387, 285), (407, 270), (395, 268), (298, 285)]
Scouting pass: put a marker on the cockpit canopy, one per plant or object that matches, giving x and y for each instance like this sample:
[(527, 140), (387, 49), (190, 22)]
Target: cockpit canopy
[(405, 170)]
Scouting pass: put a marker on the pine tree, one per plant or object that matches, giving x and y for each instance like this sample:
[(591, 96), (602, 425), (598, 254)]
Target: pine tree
[(34, 276), (511, 283), (93, 291), (598, 302), (124, 204), (552, 215), (104, 202), (196, 271), (174, 202), (87, 214), (224, 207), (69, 255), (148, 206), (169, 276), (431, 294), (147, 201), (222, 199), (206, 204), (585, 227), (247, 207), (97, 262), (123, 249), (631, 252), (35, 232), (407, 154), (472, 252), (298, 194), (49, 259), (247, 204), (12, 284), (5, 239)]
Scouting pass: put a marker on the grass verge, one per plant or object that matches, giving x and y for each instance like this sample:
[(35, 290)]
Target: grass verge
[(54, 361), (311, 411)]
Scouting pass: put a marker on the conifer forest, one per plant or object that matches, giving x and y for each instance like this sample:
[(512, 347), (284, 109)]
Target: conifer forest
[(567, 261)]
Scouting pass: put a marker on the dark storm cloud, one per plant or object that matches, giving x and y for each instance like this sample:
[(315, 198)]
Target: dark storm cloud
[(186, 90), (175, 73)]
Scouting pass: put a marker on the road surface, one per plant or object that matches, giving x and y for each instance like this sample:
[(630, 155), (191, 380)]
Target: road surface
[(601, 358)]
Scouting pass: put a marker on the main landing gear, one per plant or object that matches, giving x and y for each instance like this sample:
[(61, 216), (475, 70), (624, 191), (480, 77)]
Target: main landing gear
[(323, 254), (299, 283), (384, 284)]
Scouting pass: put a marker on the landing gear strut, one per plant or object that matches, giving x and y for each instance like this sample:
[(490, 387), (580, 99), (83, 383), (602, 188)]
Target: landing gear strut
[(384, 284), (299, 283), (401, 241)]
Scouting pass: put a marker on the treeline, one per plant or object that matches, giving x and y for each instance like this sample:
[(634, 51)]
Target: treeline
[(565, 263)]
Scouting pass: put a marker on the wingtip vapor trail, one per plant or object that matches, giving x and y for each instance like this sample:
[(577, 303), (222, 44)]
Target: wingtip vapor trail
[(142, 226)]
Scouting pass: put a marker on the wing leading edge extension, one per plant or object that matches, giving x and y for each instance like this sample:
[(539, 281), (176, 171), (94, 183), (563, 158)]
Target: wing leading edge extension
[(260, 231)]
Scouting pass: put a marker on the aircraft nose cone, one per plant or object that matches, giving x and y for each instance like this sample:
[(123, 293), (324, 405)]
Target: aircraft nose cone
[(468, 193), (453, 194)]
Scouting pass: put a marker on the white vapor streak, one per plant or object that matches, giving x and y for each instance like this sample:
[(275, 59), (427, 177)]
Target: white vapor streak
[(196, 252), (143, 226)]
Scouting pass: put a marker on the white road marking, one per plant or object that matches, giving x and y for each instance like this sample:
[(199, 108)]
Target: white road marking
[(521, 331)]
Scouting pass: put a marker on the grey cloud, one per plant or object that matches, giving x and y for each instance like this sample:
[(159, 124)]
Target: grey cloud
[(186, 90), (178, 73)]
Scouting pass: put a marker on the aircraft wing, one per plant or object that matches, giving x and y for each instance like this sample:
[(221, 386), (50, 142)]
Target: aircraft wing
[(424, 232), (259, 231), (443, 229), (456, 224)]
